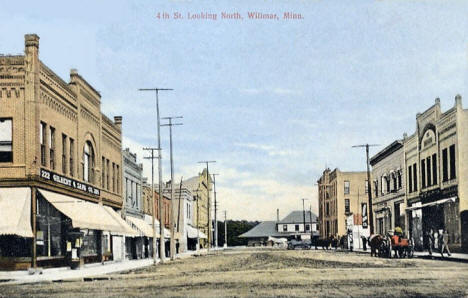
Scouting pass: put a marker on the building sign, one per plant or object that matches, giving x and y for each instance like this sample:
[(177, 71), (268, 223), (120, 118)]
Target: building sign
[(51, 176), (365, 221)]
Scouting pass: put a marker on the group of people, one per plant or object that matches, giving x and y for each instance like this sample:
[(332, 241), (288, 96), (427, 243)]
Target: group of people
[(438, 240)]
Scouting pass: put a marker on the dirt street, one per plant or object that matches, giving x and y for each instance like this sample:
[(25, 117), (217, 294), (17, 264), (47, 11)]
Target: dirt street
[(270, 273)]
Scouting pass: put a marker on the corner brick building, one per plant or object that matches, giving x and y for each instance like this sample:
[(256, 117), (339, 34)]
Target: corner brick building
[(60, 166)]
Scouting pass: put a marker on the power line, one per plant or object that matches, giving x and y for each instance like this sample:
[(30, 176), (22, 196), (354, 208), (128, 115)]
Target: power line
[(170, 124), (215, 211), (369, 191), (160, 195), (207, 162), (152, 157)]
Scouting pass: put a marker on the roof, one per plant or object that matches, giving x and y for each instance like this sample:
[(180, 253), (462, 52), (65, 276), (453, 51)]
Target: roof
[(393, 147), (298, 217), (264, 229)]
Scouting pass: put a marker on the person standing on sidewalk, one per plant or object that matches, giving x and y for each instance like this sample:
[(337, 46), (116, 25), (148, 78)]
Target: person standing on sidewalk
[(444, 243), (430, 241)]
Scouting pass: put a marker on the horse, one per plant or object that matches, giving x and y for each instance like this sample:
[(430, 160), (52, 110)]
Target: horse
[(375, 242)]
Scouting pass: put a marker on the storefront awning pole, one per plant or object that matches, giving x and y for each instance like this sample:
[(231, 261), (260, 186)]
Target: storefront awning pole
[(34, 226)]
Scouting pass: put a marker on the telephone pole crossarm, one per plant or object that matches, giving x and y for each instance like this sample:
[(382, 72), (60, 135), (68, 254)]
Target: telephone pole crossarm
[(160, 194)]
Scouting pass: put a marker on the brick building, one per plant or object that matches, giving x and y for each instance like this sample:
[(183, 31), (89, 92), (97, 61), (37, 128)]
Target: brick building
[(60, 166), (340, 194)]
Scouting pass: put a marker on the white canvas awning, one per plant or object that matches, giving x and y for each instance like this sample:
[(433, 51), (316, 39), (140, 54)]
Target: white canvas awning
[(86, 215), (126, 228), (443, 201), (15, 211), (144, 228), (195, 233)]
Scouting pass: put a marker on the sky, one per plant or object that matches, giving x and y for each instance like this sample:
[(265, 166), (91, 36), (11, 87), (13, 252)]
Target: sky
[(273, 101)]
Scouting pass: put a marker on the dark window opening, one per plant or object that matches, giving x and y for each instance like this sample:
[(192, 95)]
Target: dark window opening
[(444, 165), (434, 169), (423, 173), (410, 179), (347, 207), (453, 174)]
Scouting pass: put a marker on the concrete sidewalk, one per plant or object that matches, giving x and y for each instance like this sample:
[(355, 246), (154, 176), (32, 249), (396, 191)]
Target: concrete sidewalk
[(87, 271)]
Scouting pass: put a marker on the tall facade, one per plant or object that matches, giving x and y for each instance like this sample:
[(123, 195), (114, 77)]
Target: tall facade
[(201, 186), (340, 194), (133, 180), (53, 144), (135, 247), (436, 157), (389, 191)]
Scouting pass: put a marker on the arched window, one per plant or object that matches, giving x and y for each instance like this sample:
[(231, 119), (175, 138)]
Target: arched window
[(88, 162)]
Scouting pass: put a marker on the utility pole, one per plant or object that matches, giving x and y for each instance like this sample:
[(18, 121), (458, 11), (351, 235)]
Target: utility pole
[(311, 230), (225, 230), (303, 214), (171, 216), (215, 211), (152, 157), (369, 190), (160, 194), (207, 162)]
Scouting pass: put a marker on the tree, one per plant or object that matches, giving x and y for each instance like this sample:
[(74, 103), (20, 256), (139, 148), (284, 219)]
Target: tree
[(234, 229)]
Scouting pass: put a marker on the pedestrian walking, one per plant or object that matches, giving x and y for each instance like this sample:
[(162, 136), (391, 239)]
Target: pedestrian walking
[(430, 241), (444, 244)]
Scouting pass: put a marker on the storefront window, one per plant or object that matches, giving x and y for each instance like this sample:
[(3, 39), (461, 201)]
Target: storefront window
[(51, 227), (90, 243)]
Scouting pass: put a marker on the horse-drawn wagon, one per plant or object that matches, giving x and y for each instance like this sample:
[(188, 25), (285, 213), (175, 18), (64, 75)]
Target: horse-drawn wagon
[(383, 245)]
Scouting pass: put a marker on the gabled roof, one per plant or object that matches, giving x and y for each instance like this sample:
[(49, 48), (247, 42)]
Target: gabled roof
[(264, 229), (298, 217)]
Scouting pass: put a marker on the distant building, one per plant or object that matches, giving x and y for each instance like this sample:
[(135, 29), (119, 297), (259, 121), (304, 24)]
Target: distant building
[(340, 195), (186, 234), (389, 196), (292, 226), (201, 187), (135, 247), (294, 223)]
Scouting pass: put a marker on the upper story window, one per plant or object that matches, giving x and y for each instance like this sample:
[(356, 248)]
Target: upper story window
[(6, 140), (445, 165), (453, 173), (399, 179), (64, 154), (366, 187), (88, 162), (296, 228), (42, 141), (72, 157), (376, 188), (346, 206), (52, 147), (285, 228), (346, 187), (410, 179)]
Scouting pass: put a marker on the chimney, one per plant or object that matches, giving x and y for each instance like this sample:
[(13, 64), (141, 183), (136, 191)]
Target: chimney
[(458, 101), (277, 214), (118, 121), (31, 42)]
